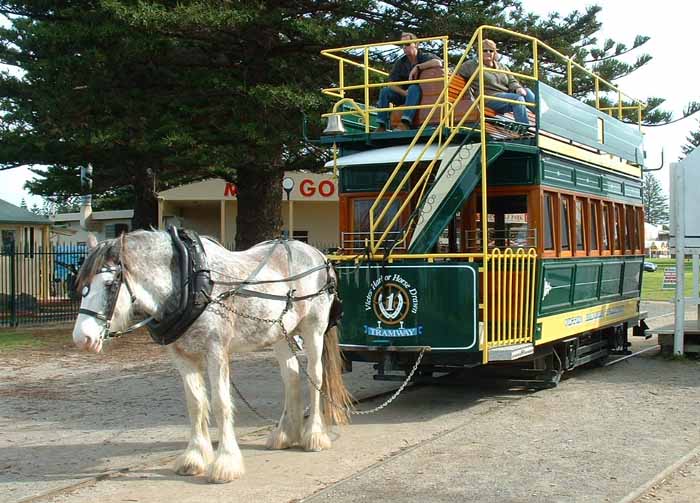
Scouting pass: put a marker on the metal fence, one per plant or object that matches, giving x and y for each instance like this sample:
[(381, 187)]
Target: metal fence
[(36, 285)]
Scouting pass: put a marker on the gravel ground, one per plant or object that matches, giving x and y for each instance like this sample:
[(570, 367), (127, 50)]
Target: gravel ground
[(77, 428)]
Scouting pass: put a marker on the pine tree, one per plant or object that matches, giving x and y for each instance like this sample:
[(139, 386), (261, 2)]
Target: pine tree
[(655, 201), (157, 93), (693, 140)]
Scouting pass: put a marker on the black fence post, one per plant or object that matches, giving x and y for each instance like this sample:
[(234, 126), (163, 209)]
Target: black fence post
[(13, 289)]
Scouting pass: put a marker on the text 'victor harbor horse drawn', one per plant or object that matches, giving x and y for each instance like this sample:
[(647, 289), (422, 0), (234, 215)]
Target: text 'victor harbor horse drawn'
[(205, 302)]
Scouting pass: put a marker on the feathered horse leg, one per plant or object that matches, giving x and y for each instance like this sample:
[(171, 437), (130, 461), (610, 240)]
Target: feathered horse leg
[(228, 464), (315, 435), (199, 452), (288, 432)]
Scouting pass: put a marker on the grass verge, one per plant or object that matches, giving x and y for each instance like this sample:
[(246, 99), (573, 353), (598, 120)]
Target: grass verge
[(652, 281), (13, 340)]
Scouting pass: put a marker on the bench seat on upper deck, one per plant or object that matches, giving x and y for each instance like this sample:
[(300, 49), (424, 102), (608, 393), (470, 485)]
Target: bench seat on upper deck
[(430, 91)]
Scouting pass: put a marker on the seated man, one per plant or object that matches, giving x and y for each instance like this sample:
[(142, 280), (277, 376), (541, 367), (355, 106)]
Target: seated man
[(499, 84), (407, 67)]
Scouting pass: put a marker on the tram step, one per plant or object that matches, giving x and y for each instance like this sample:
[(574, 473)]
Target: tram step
[(512, 352)]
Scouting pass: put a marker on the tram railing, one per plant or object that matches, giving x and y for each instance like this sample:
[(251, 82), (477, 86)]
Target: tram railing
[(510, 308), (508, 238), (357, 242)]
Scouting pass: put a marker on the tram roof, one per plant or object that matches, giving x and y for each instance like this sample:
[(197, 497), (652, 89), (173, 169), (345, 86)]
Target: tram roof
[(385, 155), (393, 154)]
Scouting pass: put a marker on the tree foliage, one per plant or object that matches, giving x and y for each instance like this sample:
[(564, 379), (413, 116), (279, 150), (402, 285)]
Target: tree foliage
[(693, 140), (155, 93), (655, 201)]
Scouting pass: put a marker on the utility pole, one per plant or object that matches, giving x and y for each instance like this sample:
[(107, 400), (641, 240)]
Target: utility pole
[(86, 198)]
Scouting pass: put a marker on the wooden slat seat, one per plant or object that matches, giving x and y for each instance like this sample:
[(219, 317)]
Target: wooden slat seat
[(431, 91)]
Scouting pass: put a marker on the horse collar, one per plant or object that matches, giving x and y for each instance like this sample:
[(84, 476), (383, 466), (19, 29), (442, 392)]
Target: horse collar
[(196, 286)]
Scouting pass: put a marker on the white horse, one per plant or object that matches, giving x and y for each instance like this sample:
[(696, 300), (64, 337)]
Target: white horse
[(138, 274)]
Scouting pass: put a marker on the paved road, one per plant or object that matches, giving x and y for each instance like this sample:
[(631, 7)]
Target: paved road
[(603, 433)]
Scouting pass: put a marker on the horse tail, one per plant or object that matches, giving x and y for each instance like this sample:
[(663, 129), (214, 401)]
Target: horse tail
[(337, 400)]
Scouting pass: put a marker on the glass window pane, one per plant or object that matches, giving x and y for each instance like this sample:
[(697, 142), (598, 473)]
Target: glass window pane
[(630, 231), (616, 228), (565, 223), (580, 242), (605, 227), (8, 241), (594, 226), (361, 209), (548, 236)]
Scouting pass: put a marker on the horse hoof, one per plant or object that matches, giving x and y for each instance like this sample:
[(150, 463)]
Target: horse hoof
[(317, 441), (190, 463), (226, 468), (279, 440)]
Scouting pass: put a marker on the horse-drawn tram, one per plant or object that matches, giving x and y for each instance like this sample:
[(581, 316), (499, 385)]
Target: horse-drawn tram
[(556, 282)]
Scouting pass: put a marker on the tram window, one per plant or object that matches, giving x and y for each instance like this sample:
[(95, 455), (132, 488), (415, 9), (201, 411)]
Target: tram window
[(617, 230), (580, 239), (548, 235), (565, 205), (361, 209), (491, 230), (605, 221), (449, 240), (508, 221), (640, 229), (594, 226), (631, 231)]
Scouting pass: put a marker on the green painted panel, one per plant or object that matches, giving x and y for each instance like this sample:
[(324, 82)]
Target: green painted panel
[(633, 190), (558, 279), (587, 282), (354, 123), (513, 169), (409, 304), (558, 173), (611, 279), (368, 178), (589, 180), (632, 283), (568, 117), (572, 175), (613, 187), (575, 283)]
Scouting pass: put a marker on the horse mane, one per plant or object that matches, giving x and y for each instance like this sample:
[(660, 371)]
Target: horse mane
[(115, 250), (104, 252)]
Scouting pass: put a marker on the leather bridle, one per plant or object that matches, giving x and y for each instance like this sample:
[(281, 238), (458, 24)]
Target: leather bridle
[(105, 316)]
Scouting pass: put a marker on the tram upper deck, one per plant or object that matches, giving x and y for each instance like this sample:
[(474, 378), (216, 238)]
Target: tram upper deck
[(581, 146), (450, 106)]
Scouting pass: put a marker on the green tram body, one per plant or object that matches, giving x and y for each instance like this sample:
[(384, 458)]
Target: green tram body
[(565, 244)]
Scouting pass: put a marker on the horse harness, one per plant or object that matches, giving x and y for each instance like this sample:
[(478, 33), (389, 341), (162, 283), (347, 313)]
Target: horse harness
[(196, 286)]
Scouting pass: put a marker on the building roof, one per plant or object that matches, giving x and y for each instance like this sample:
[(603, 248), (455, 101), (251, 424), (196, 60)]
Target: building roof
[(11, 214), (96, 215)]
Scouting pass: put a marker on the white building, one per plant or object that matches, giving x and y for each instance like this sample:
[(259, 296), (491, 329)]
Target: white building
[(210, 207), (104, 224)]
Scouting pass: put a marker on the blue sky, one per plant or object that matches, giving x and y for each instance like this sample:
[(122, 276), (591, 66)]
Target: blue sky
[(672, 74)]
